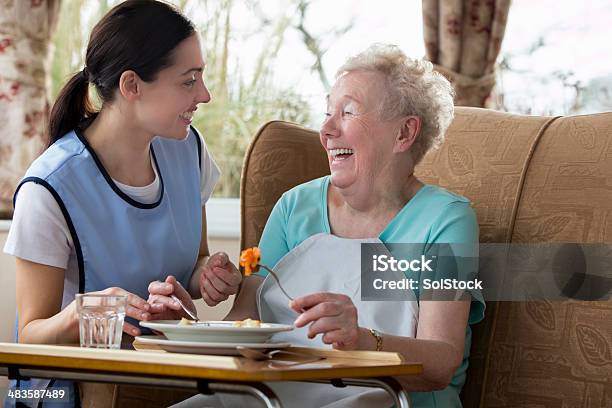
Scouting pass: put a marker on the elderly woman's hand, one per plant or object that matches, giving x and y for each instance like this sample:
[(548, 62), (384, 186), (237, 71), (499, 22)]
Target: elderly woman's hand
[(219, 279), (332, 314)]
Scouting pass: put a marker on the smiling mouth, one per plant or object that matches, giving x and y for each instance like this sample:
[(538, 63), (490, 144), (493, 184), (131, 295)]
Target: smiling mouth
[(340, 154)]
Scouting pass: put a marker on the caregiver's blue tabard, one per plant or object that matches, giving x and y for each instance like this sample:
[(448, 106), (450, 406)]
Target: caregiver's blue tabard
[(119, 241)]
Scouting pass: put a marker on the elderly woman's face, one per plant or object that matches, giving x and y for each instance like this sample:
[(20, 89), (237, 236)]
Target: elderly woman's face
[(359, 144)]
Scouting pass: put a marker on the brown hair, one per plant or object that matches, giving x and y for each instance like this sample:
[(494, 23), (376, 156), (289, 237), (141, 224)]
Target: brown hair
[(138, 35)]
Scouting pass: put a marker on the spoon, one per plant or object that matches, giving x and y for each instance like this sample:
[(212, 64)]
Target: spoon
[(257, 355), (193, 315)]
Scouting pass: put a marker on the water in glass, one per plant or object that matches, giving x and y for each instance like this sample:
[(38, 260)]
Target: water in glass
[(101, 320)]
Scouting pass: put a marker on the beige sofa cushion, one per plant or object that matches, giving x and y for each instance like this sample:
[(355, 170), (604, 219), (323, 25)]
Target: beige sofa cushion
[(559, 354), (281, 156)]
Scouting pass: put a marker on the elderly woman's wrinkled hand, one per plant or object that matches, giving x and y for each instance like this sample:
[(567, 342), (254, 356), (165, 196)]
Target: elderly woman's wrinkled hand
[(332, 315), (219, 279)]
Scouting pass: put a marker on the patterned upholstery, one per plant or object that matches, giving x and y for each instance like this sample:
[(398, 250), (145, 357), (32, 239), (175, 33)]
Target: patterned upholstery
[(281, 156), (530, 179), (559, 354)]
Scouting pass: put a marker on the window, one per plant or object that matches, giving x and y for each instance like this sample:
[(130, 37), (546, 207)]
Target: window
[(265, 60), (276, 60), (555, 58)]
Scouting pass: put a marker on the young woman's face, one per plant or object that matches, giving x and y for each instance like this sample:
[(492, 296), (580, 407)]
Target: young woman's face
[(167, 104)]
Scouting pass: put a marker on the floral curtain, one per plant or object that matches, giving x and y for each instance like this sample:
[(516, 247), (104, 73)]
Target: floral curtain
[(463, 39), (25, 32)]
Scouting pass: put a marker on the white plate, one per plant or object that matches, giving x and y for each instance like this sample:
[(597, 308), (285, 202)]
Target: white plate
[(216, 331), (190, 347)]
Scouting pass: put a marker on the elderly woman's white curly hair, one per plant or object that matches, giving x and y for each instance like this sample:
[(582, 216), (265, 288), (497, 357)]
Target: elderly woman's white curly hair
[(413, 88)]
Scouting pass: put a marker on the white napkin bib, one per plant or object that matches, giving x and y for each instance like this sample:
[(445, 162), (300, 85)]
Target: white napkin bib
[(327, 263)]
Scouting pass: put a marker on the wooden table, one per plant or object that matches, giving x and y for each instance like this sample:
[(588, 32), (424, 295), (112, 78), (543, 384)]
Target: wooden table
[(206, 373)]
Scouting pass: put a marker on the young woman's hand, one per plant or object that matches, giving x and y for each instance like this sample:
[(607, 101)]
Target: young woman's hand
[(163, 307), (137, 308), (219, 279), (331, 314)]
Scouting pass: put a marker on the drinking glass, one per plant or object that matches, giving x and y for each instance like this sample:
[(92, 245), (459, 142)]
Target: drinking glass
[(101, 320)]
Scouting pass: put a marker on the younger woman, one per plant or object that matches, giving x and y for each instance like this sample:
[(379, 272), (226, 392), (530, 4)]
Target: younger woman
[(117, 199)]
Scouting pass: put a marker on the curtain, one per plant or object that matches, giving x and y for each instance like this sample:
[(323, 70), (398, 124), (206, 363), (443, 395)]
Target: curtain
[(26, 27), (463, 39)]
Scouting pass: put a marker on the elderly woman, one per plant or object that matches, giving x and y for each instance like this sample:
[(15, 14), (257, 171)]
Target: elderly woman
[(384, 113)]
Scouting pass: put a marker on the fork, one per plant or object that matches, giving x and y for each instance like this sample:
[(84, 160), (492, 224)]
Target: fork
[(277, 281), (193, 315)]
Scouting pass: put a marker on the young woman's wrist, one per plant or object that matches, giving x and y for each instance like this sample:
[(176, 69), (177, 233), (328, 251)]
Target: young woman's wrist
[(69, 332), (194, 282), (61, 328)]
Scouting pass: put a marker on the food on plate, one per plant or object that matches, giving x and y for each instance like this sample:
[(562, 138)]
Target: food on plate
[(249, 260), (247, 323), (185, 322)]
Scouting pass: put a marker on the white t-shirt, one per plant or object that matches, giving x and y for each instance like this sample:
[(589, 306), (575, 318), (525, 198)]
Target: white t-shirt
[(39, 232)]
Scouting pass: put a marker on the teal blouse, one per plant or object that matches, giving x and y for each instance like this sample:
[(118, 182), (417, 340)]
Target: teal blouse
[(433, 216)]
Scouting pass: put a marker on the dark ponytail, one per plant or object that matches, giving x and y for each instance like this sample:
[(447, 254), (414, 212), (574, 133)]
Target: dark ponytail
[(71, 107), (137, 35)]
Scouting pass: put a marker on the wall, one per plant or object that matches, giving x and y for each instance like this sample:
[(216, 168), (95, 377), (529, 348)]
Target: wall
[(7, 304)]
